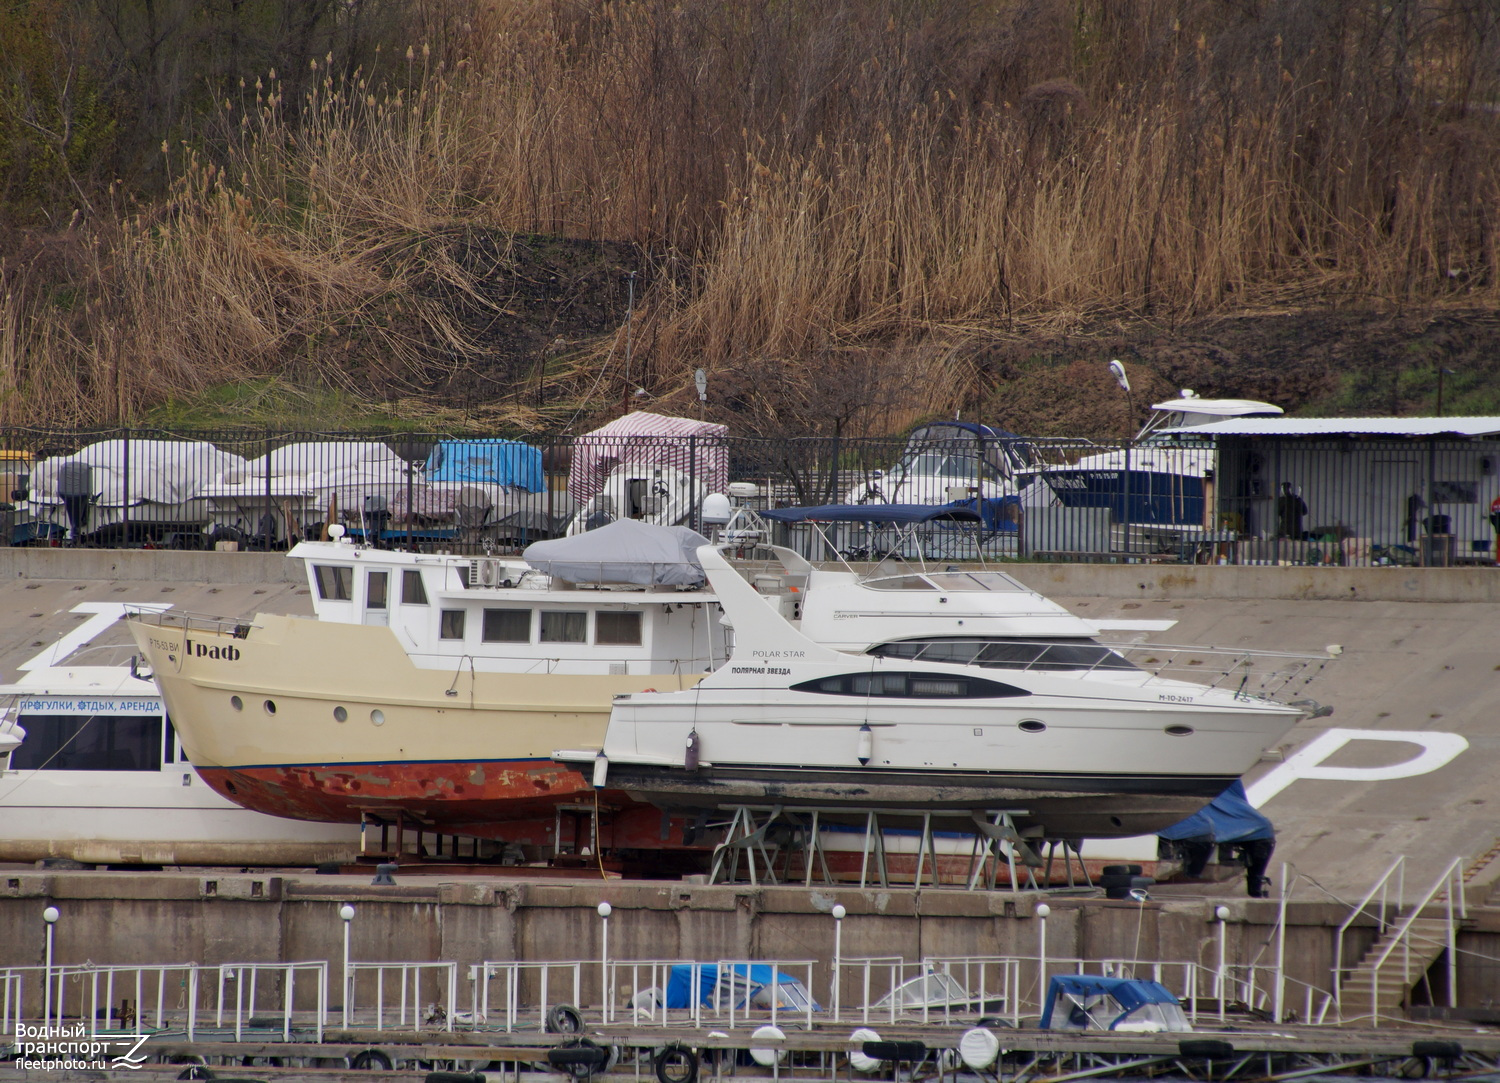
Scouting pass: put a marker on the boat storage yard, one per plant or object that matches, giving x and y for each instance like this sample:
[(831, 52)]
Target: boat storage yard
[(1383, 915)]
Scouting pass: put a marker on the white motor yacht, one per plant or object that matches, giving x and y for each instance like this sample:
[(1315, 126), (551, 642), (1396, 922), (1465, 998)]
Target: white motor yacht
[(1004, 702)]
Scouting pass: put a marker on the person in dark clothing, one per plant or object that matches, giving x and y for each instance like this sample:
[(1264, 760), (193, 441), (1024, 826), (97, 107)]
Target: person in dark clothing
[(1290, 511), (1256, 855)]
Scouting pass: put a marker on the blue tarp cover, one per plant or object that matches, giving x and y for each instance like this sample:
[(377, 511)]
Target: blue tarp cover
[(995, 514), (1230, 817), (487, 462), (680, 981), (1130, 992)]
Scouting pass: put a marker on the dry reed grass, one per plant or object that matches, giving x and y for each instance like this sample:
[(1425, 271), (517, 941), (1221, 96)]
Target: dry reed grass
[(880, 182)]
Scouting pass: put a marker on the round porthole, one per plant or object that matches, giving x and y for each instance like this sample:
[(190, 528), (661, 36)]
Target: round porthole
[(1179, 731), (270, 706), (340, 715), (237, 703), (377, 716), (1031, 725)]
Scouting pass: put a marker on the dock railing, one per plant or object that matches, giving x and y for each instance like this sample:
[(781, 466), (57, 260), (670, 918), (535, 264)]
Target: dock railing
[(245, 978), (649, 1001), (12, 991), (548, 977), (410, 983), (736, 986)]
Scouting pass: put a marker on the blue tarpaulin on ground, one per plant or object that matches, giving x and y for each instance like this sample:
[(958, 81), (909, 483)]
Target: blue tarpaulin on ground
[(487, 462), (1230, 817)]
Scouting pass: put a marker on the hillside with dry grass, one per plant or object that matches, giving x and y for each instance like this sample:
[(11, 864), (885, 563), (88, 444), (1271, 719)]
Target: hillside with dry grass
[(851, 215)]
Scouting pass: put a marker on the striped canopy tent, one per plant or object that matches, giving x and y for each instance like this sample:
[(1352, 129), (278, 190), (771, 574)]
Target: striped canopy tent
[(649, 440)]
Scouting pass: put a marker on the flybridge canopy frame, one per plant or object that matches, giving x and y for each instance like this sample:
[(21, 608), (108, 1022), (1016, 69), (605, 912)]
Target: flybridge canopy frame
[(902, 521)]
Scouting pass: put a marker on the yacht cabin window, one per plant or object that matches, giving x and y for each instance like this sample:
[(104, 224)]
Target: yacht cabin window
[(376, 585), (617, 629), (90, 742), (335, 582), (564, 626), (1034, 654), (901, 582), (910, 686), (412, 591), (506, 626), (451, 624)]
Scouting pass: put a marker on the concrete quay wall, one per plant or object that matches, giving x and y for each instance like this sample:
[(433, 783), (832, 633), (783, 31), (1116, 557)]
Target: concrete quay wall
[(1156, 581), (214, 917)]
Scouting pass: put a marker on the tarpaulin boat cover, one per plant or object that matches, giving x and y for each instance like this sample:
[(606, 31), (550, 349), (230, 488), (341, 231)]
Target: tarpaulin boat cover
[(325, 457), (487, 462), (1130, 993), (131, 472), (624, 551), (1230, 817), (646, 439), (681, 978), (1002, 513)]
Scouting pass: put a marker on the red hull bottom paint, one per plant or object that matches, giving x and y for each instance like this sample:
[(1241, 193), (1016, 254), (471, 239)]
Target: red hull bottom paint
[(511, 802)]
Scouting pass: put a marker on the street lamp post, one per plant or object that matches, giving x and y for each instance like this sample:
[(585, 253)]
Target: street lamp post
[(49, 917), (1041, 948), (346, 913), (604, 911), (838, 955), (1222, 914)]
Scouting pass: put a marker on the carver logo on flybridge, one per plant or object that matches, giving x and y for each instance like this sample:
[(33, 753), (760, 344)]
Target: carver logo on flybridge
[(203, 650)]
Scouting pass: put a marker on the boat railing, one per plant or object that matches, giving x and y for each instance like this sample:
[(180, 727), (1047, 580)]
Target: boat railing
[(515, 980), (410, 980), (1247, 673), (189, 622)]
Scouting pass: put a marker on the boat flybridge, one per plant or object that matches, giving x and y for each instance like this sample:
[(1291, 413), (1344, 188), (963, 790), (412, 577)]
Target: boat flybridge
[(961, 691)]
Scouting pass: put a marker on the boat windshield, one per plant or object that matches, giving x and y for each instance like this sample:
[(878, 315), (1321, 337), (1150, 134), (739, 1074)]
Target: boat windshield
[(1043, 654), (949, 581)]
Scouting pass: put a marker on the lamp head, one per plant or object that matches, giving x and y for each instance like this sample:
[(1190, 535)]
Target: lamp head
[(1117, 370), (51, 914), (605, 909), (1222, 913), (1043, 910), (839, 912), (346, 912)]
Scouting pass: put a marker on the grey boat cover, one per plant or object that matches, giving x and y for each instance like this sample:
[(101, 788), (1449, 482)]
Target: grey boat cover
[(624, 551)]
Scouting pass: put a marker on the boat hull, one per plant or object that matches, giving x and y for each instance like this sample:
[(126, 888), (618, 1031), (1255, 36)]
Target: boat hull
[(329, 722), (1065, 806)]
